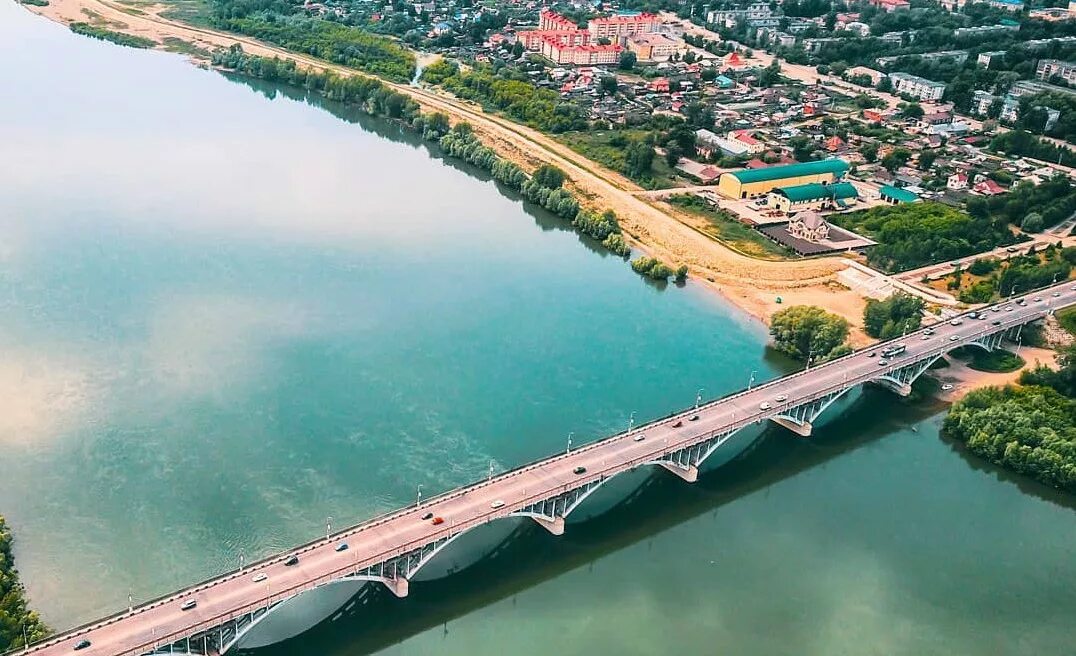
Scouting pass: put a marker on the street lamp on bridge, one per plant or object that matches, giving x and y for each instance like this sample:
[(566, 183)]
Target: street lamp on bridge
[(418, 500), (698, 398), (751, 380), (631, 421), (328, 532), (569, 450)]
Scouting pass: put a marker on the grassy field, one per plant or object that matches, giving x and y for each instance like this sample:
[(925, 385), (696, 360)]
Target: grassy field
[(607, 148), (194, 12), (724, 227)]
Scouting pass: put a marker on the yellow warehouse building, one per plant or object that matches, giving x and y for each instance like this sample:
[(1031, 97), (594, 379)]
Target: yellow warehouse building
[(752, 183)]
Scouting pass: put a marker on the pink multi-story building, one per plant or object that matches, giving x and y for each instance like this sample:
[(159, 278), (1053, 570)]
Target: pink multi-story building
[(561, 41), (616, 27)]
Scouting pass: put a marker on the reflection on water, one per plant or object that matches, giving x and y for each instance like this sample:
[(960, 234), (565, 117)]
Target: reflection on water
[(226, 315)]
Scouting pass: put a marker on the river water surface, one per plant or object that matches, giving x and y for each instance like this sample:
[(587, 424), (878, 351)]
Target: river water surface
[(227, 315)]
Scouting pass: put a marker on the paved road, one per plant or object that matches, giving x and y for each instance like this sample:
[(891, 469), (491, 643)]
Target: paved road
[(374, 541), (934, 271)]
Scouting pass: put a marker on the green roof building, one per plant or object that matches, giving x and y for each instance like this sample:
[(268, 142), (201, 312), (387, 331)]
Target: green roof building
[(813, 195), (896, 195), (752, 183)]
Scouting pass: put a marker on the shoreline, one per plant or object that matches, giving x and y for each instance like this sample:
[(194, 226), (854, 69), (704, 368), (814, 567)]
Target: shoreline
[(750, 284)]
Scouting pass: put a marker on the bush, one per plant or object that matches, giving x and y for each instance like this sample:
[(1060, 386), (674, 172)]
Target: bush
[(652, 268), (1032, 223), (980, 292), (983, 266)]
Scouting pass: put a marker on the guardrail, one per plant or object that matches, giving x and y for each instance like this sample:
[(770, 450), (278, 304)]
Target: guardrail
[(1026, 315)]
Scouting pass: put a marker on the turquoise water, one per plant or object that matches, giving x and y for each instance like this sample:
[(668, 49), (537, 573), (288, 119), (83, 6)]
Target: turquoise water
[(227, 315)]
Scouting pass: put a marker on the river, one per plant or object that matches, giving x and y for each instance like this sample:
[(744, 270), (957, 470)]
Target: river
[(228, 315)]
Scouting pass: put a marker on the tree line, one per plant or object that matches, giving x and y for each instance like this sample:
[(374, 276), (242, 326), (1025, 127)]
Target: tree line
[(288, 26), (17, 621)]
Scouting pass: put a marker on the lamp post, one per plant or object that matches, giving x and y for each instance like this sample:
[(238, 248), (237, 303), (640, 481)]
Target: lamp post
[(241, 561), (418, 500), (569, 450), (698, 398), (490, 470), (631, 422), (751, 380), (329, 521)]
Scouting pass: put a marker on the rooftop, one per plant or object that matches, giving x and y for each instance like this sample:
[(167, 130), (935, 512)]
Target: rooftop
[(898, 194), (815, 191), (833, 165)]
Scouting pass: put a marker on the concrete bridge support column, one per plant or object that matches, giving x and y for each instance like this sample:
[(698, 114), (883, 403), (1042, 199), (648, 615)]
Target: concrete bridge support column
[(554, 525), (689, 473), (802, 429), (398, 586)]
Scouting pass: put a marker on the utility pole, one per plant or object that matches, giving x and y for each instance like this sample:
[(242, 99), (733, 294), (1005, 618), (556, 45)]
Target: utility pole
[(751, 380), (698, 398), (569, 450)]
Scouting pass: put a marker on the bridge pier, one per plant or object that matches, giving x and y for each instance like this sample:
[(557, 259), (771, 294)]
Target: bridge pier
[(689, 473), (802, 429), (898, 388), (399, 586), (554, 525)]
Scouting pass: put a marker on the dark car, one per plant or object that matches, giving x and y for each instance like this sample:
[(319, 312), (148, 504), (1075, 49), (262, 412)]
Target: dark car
[(678, 424), (292, 560), (342, 546), (82, 644), (579, 470), (995, 323)]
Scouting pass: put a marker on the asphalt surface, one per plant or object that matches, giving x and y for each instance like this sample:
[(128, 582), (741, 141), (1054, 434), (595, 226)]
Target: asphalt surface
[(234, 594)]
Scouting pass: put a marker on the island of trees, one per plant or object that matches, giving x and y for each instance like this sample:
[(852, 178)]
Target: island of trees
[(17, 622), (1029, 428)]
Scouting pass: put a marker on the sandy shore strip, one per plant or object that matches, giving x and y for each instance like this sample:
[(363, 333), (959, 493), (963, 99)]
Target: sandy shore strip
[(965, 379)]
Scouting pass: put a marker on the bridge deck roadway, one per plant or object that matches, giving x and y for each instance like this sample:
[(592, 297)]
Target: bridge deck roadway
[(234, 594)]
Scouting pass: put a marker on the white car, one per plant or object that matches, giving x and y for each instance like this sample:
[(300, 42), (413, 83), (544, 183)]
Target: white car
[(882, 362), (497, 504), (780, 398), (955, 322), (925, 337), (947, 386), (258, 578), (953, 338), (765, 405)]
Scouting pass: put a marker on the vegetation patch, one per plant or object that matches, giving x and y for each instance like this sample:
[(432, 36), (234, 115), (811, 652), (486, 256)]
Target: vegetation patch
[(1067, 319), (809, 333), (36, 3), (994, 362), (899, 314), (725, 228), (918, 234), (1030, 430), (508, 92), (118, 38), (625, 151), (287, 26), (651, 267), (16, 618)]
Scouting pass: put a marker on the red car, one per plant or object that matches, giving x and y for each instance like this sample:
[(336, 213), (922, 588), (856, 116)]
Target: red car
[(438, 520)]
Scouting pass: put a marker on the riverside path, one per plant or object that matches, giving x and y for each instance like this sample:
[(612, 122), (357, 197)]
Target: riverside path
[(391, 548)]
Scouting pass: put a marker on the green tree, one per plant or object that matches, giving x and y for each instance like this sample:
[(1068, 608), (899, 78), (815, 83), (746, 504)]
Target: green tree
[(638, 160), (807, 331), (893, 316), (627, 60), (896, 159), (1032, 222)]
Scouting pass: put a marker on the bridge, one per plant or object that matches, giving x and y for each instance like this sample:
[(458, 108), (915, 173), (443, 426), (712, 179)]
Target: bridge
[(392, 548)]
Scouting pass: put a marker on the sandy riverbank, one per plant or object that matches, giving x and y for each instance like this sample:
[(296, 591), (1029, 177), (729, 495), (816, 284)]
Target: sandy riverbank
[(965, 379), (752, 284)]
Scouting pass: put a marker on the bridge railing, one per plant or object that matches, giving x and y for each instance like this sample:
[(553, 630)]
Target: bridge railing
[(382, 518)]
